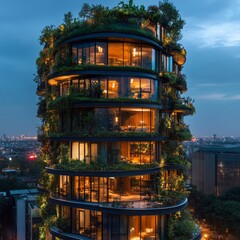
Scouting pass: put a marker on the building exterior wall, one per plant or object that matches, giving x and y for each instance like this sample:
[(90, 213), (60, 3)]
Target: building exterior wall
[(21, 217), (215, 172)]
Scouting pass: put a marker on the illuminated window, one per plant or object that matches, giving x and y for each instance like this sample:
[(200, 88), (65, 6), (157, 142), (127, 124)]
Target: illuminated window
[(115, 54), (101, 53), (84, 151)]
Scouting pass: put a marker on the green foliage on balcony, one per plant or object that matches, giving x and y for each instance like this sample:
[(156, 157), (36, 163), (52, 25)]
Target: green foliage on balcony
[(184, 104), (176, 80), (173, 153), (100, 165), (61, 223), (65, 102), (89, 27), (169, 198), (42, 107), (181, 226), (66, 68), (178, 160), (180, 133), (89, 132)]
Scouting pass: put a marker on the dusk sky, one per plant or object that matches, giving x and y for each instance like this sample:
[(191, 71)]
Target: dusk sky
[(211, 37)]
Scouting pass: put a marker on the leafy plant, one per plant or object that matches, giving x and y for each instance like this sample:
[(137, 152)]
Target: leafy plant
[(181, 226), (77, 165)]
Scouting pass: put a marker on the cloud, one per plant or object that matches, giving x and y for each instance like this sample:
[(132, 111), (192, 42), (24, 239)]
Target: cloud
[(218, 84), (211, 34), (219, 96), (219, 28)]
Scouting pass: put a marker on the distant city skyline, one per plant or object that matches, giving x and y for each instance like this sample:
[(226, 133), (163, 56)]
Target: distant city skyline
[(211, 37)]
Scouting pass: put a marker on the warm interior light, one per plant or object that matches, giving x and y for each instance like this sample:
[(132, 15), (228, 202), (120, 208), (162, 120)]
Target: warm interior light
[(149, 230), (116, 119), (99, 49), (131, 81), (134, 52), (113, 85)]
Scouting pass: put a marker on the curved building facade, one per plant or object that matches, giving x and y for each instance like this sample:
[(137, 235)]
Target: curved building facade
[(112, 105)]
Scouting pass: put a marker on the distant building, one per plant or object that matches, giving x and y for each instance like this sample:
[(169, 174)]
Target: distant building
[(216, 168), (25, 216)]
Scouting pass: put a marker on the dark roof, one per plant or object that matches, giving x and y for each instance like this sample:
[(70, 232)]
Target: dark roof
[(227, 148)]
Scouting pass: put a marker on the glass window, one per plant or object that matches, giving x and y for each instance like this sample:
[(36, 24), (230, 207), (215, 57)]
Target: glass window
[(115, 54), (141, 152), (170, 64), (74, 55), (113, 119), (147, 57), (84, 151), (92, 53), (75, 150), (132, 54), (80, 53), (103, 189), (148, 227), (135, 87), (94, 189), (85, 54), (64, 88), (101, 119), (64, 186), (113, 87), (103, 83), (154, 60), (101, 53), (134, 227), (145, 91), (75, 84)]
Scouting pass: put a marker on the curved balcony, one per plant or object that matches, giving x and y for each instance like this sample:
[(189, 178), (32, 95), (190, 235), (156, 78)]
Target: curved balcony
[(78, 101), (107, 136), (96, 31), (107, 170), (67, 72), (138, 208), (180, 133), (178, 81), (179, 56), (41, 89), (184, 105), (57, 232)]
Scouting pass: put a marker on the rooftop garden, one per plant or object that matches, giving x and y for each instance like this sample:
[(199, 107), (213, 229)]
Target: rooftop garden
[(125, 16)]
